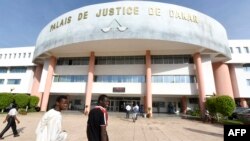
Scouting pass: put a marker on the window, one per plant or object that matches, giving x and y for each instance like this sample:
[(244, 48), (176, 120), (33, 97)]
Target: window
[(14, 81), (172, 59), (239, 50), (19, 55), (10, 55), (103, 60), (18, 69), (158, 104), (173, 79), (193, 100), (3, 70), (0, 56), (246, 49), (24, 55), (77, 101), (248, 82), (1, 81), (70, 78), (120, 78), (14, 55), (246, 67), (29, 55), (73, 61), (231, 49)]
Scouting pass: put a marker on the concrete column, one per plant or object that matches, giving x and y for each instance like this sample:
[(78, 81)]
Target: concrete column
[(233, 77), (36, 83), (243, 103), (45, 97), (200, 81), (222, 79), (184, 104), (89, 83), (148, 83)]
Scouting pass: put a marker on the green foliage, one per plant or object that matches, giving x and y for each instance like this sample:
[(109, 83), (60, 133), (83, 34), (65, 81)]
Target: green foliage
[(5, 100), (225, 105), (32, 109), (21, 100), (210, 105), (22, 111), (232, 122), (194, 112), (217, 105), (33, 101)]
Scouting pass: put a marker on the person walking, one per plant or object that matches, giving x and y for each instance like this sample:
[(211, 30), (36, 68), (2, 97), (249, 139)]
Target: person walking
[(50, 126), (128, 110), (98, 120), (11, 118), (135, 111)]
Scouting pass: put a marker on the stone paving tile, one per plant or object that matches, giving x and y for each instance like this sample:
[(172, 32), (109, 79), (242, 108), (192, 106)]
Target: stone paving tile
[(159, 128)]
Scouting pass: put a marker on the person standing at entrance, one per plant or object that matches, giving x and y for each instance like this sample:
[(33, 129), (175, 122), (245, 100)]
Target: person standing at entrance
[(98, 121), (50, 126), (128, 110), (11, 118)]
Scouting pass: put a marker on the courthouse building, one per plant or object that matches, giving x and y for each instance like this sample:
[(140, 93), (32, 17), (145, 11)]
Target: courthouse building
[(150, 53)]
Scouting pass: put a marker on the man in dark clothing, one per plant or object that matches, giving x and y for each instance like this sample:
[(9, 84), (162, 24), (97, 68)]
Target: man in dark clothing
[(97, 121)]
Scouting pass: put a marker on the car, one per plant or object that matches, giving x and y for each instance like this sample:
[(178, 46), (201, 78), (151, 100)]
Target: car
[(236, 112), (244, 116)]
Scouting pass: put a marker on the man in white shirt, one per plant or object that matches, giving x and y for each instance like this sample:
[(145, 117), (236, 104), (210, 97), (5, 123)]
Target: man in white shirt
[(50, 126), (128, 109), (135, 111), (11, 118)]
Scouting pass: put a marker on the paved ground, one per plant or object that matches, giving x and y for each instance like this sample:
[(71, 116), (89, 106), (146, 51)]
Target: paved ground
[(160, 128)]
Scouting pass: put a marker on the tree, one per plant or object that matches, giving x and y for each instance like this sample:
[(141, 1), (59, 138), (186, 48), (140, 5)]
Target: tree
[(225, 105)]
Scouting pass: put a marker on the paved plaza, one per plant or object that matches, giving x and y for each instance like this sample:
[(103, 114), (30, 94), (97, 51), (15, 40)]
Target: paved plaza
[(161, 127)]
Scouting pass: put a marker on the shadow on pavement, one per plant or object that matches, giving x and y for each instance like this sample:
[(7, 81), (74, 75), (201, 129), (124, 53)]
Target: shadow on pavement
[(204, 132)]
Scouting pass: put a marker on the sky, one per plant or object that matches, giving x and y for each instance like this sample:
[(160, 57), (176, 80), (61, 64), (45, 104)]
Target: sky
[(21, 21)]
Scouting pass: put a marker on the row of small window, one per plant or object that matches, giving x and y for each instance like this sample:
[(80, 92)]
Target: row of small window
[(13, 69), (73, 61), (11, 81), (246, 67), (127, 78), (70, 78), (173, 79), (15, 55), (111, 60), (172, 59), (100, 78), (239, 49), (120, 78)]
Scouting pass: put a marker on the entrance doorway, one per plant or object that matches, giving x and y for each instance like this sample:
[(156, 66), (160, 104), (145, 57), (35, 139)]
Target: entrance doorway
[(118, 104)]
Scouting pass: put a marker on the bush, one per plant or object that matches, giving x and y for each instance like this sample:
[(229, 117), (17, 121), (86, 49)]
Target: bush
[(33, 101), (32, 109), (22, 111), (5, 100), (225, 105), (21, 100), (211, 106), (194, 112)]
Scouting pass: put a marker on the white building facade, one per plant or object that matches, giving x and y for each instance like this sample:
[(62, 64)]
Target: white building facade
[(154, 54)]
